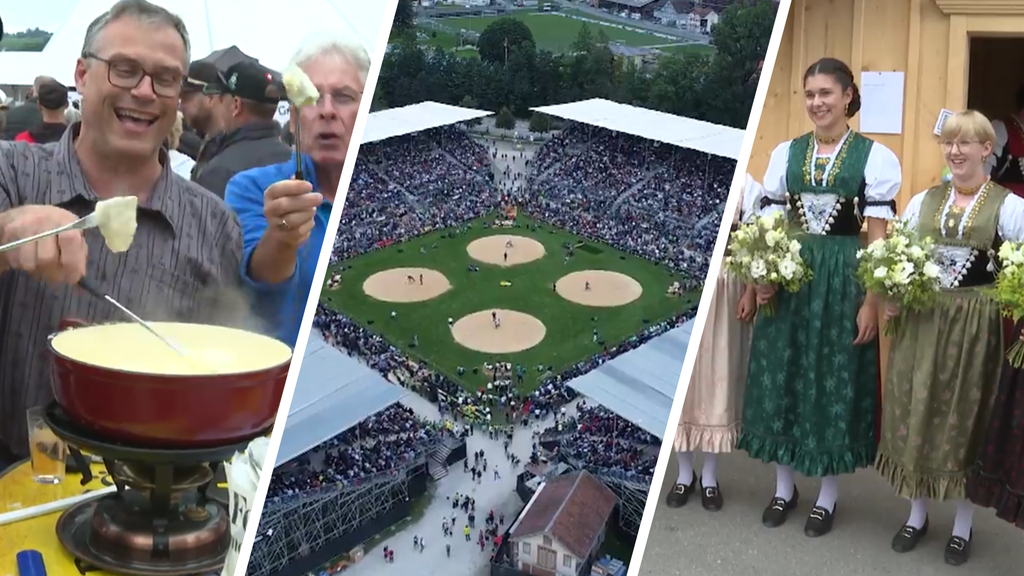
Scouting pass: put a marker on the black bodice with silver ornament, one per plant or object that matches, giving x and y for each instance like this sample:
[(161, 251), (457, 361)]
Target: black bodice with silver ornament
[(972, 269), (826, 214)]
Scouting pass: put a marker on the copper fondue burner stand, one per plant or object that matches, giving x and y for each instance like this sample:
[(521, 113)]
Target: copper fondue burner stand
[(165, 518)]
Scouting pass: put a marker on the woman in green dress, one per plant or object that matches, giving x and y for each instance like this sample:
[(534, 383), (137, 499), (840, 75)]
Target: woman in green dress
[(945, 362), (811, 399)]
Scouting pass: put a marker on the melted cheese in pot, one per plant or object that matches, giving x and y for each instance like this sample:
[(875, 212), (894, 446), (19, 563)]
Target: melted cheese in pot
[(117, 222), (301, 90), (209, 350)]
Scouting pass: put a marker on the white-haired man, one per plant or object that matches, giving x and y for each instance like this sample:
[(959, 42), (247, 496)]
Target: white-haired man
[(285, 220)]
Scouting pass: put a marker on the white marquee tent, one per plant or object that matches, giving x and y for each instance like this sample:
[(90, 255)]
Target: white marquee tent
[(415, 118), (334, 392), (266, 30), (679, 131), (640, 384), (19, 68)]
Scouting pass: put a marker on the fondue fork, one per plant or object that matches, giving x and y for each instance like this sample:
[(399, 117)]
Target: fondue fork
[(90, 221), (98, 292)]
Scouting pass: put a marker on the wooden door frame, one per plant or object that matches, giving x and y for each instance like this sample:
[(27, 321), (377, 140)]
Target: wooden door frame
[(972, 19)]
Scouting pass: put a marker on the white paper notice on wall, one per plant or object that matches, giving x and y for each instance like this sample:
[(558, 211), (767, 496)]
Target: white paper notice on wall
[(944, 115), (881, 107)]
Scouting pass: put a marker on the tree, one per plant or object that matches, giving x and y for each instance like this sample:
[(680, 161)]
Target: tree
[(505, 119), (405, 18), (502, 36), (469, 102), (539, 123), (741, 38)]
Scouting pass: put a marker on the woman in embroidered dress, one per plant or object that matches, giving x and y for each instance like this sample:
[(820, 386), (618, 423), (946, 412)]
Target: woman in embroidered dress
[(811, 401), (710, 421), (944, 363)]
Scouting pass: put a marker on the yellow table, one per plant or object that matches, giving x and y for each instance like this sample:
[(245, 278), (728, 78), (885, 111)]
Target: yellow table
[(18, 491)]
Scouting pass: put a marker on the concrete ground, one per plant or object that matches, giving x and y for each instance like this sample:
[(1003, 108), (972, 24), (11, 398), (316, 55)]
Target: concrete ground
[(490, 494), (692, 542)]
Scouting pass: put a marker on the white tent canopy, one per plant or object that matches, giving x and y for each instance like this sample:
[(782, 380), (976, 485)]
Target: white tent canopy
[(334, 392), (639, 385), (415, 118), (658, 126), (266, 30), (19, 68)]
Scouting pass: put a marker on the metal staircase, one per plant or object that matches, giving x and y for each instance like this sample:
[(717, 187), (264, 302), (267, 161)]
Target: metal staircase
[(437, 462)]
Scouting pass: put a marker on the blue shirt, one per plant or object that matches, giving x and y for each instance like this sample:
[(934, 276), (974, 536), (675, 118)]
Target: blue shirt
[(281, 305)]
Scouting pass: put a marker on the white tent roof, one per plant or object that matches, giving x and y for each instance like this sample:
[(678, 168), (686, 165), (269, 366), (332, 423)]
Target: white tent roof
[(415, 118), (264, 29), (333, 393), (19, 68), (652, 125), (639, 385)]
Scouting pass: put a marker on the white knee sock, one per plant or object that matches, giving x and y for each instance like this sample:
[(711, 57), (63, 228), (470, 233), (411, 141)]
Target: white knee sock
[(709, 471), (784, 483), (918, 513), (685, 468), (829, 493), (964, 519)]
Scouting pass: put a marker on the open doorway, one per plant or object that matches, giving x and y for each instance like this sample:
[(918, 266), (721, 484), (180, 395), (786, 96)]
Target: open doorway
[(995, 71)]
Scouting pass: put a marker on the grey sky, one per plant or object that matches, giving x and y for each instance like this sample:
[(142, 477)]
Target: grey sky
[(49, 15)]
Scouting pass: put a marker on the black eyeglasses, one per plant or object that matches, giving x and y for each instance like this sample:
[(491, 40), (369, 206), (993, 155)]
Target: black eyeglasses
[(129, 74)]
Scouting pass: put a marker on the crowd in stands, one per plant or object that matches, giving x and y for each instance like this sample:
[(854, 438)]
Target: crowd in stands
[(606, 442), (383, 443), (660, 202), (409, 185), (652, 201)]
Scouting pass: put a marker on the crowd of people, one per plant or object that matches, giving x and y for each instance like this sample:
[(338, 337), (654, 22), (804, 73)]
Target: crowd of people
[(409, 185), (607, 443), (662, 203), (383, 443), (659, 199)]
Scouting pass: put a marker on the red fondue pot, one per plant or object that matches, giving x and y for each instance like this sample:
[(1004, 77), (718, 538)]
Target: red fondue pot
[(163, 411)]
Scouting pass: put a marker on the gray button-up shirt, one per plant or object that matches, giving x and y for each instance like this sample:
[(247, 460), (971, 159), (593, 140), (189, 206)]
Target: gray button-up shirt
[(184, 265)]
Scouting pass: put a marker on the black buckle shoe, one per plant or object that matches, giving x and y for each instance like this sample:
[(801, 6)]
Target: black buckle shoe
[(908, 538), (680, 493), (778, 510), (819, 523), (958, 550), (711, 498)]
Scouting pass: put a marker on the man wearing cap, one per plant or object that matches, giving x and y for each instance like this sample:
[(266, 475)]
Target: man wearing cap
[(245, 99), (53, 104), (197, 108)]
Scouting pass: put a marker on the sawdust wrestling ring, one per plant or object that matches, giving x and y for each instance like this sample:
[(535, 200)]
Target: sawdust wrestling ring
[(403, 285), (607, 289), (518, 331), (492, 250)]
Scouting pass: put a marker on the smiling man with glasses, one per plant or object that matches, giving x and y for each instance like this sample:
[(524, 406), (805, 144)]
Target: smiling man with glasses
[(183, 263)]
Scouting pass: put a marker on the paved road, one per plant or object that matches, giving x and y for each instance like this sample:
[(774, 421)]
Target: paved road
[(692, 542), (490, 494)]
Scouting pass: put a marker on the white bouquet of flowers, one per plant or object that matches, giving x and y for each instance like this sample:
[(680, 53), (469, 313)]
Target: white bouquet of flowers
[(1009, 293), (900, 268), (762, 252), (243, 475)]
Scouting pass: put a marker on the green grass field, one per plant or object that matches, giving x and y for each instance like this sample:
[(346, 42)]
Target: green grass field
[(569, 326), (557, 33)]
